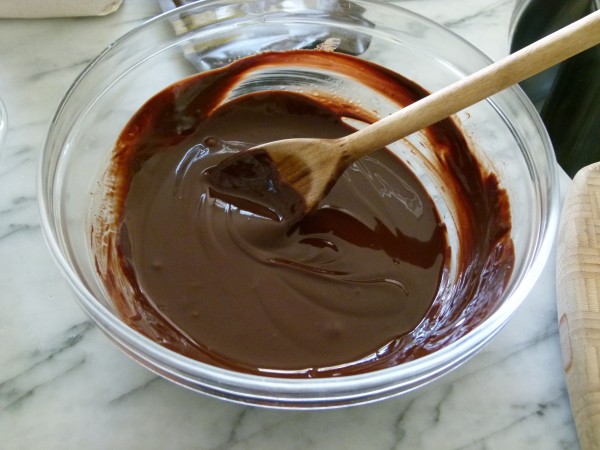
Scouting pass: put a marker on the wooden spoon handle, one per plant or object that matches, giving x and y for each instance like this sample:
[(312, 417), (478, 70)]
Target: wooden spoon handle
[(533, 59)]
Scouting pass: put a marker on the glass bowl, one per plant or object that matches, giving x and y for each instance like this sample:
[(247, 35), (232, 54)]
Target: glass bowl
[(507, 136)]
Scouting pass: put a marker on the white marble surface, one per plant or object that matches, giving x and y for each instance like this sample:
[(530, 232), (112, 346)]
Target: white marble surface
[(63, 385)]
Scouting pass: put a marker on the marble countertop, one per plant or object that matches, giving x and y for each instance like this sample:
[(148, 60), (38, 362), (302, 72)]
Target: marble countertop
[(64, 385)]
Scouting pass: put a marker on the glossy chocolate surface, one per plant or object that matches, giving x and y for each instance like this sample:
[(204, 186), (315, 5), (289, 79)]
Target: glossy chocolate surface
[(359, 284)]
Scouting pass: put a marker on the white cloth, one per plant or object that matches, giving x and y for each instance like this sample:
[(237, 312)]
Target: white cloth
[(30, 9)]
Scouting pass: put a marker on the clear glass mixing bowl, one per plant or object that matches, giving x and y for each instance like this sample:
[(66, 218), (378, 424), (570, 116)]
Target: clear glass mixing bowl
[(506, 132)]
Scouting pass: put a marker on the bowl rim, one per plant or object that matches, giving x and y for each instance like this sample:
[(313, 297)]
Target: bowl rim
[(287, 390)]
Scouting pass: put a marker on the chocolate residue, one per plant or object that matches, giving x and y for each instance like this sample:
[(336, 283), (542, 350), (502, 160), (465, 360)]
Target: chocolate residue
[(360, 284), (251, 181)]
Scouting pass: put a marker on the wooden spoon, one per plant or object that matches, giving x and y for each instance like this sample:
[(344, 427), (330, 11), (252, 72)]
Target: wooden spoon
[(304, 170)]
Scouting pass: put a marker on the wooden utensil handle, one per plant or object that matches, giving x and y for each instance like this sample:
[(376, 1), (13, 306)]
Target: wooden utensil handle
[(535, 58), (578, 301)]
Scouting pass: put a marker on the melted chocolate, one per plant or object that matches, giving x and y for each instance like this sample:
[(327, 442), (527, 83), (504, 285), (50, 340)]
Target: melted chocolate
[(359, 284), (250, 180)]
